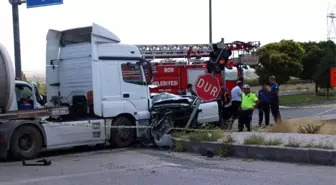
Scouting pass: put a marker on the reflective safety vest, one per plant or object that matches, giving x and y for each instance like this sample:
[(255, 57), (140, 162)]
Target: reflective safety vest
[(248, 101)]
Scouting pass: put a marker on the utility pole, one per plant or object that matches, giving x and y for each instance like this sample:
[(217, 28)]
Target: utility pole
[(210, 21), (16, 34)]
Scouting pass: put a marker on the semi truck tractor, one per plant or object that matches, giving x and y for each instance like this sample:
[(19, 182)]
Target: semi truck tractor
[(89, 89)]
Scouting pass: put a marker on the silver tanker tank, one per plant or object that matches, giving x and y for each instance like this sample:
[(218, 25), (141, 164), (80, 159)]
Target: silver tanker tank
[(7, 80)]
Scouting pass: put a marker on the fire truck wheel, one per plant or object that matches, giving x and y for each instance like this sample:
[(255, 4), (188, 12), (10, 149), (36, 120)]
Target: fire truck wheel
[(122, 137), (26, 143)]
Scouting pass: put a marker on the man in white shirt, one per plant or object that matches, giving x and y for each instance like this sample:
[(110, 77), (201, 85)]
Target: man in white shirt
[(236, 96)]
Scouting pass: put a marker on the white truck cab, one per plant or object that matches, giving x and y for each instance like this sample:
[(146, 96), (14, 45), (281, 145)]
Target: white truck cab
[(91, 60), (93, 82)]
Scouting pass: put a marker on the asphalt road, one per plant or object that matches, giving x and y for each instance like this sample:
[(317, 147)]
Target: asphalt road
[(302, 111), (144, 167)]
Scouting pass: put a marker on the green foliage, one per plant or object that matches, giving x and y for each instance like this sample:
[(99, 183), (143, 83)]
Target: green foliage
[(224, 151), (206, 136), (42, 88), (273, 142), (322, 75), (254, 140), (261, 140), (311, 59), (179, 147), (282, 59), (293, 144), (320, 145)]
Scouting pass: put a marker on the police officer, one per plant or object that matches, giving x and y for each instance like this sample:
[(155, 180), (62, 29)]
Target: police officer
[(248, 104), (274, 99), (264, 105)]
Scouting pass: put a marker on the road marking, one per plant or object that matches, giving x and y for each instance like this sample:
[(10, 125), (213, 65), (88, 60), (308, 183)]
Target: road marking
[(325, 111)]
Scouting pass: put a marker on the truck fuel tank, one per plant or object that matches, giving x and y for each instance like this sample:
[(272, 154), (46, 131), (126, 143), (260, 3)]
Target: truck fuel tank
[(7, 80)]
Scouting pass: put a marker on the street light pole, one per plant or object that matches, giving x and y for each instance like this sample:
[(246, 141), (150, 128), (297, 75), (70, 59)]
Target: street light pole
[(16, 33), (210, 21)]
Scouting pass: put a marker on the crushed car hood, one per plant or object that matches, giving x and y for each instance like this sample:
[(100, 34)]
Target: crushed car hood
[(173, 101)]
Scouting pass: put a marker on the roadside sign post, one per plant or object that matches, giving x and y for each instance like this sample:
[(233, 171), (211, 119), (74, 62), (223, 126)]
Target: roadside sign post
[(16, 27), (207, 88)]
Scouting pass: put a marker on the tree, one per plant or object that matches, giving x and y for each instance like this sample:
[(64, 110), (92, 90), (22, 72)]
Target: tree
[(282, 59), (41, 88), (311, 58), (322, 75)]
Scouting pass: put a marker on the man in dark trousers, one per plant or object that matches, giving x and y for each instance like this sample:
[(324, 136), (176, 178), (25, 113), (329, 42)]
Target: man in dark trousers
[(274, 99), (248, 104), (264, 105), (189, 91), (236, 97)]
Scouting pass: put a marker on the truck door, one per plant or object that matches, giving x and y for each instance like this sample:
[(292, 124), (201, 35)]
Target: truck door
[(134, 89)]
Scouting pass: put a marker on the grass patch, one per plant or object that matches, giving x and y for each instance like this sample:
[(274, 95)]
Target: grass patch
[(224, 151), (273, 142), (205, 136), (293, 144), (254, 140), (211, 135), (179, 147), (320, 145), (178, 134), (303, 99), (260, 140), (229, 139)]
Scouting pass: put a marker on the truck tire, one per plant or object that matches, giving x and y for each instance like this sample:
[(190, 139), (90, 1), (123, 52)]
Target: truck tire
[(26, 143), (122, 137)]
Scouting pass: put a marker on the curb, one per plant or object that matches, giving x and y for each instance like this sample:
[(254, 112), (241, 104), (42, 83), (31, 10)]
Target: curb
[(271, 153)]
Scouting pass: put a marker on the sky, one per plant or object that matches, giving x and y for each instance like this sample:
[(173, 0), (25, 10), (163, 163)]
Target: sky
[(166, 22)]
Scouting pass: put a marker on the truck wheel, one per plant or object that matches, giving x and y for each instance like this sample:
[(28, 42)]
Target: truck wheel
[(26, 143), (122, 137)]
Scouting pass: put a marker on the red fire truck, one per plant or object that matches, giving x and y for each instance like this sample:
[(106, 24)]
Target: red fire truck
[(176, 65)]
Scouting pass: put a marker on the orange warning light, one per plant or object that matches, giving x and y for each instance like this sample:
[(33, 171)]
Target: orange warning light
[(222, 62), (333, 77)]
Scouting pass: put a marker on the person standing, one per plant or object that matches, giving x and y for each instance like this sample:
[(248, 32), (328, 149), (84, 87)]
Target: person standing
[(236, 97), (264, 105), (248, 104), (189, 91), (274, 99)]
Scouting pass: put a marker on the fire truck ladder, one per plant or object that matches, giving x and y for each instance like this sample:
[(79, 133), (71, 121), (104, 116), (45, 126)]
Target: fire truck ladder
[(170, 51)]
